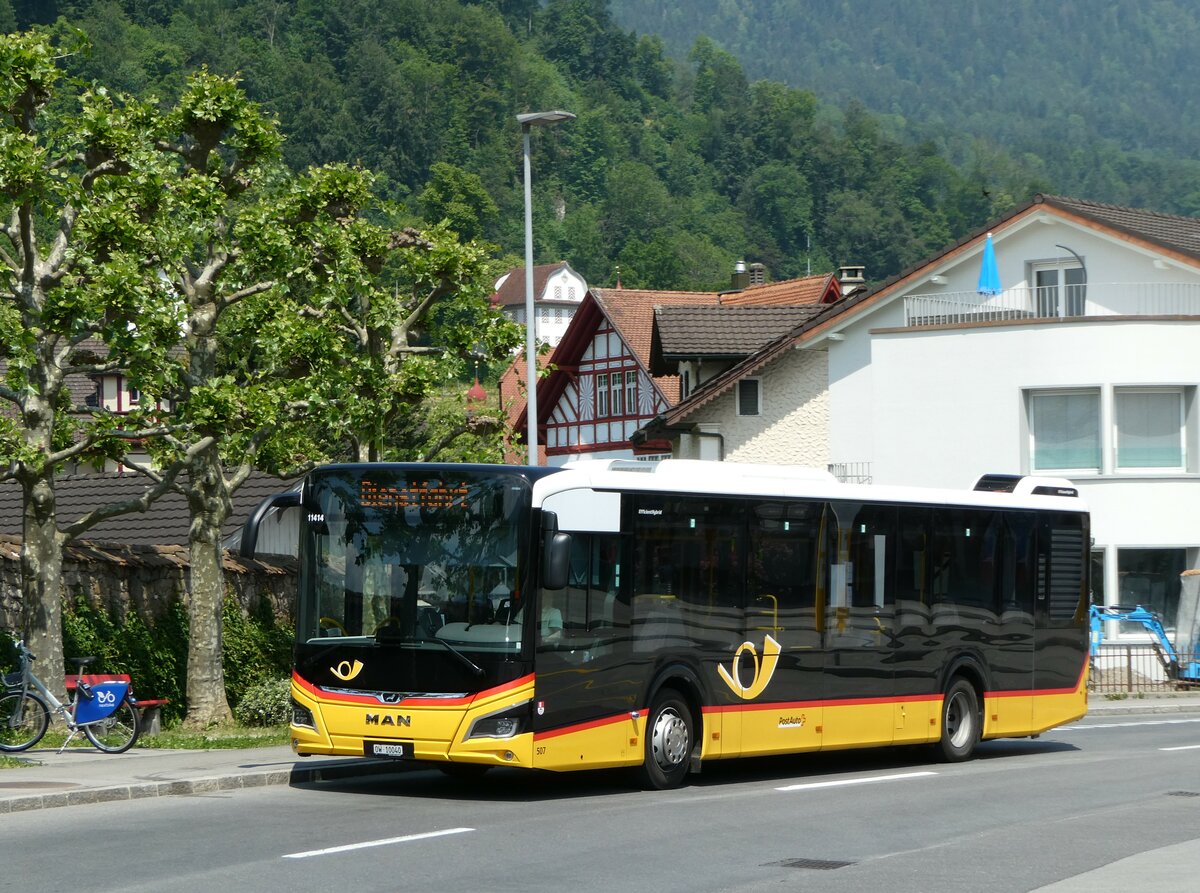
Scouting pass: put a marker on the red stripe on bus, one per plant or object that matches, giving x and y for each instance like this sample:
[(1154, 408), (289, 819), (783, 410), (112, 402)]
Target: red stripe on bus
[(582, 727), (350, 698), (809, 705)]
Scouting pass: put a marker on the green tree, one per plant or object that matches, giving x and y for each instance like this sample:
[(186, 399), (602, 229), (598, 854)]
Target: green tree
[(457, 197), (403, 320), (80, 294)]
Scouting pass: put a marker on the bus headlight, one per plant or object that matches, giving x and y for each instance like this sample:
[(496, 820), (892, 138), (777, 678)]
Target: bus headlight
[(506, 724), (302, 716)]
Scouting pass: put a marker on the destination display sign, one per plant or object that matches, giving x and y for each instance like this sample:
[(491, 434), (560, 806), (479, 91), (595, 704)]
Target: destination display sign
[(436, 495)]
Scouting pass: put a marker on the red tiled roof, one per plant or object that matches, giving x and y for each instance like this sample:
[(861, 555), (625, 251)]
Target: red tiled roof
[(820, 289), (631, 312)]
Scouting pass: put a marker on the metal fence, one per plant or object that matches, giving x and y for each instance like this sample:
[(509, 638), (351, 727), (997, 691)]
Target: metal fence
[(1093, 299), (1136, 668)]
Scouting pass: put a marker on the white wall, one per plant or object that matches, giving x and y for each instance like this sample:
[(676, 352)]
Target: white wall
[(793, 424)]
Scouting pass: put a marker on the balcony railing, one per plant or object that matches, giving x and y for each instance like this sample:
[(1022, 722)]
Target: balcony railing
[(1055, 302), (851, 472)]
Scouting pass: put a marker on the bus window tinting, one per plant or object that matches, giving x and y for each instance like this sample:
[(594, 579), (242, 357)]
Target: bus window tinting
[(784, 572), (689, 569)]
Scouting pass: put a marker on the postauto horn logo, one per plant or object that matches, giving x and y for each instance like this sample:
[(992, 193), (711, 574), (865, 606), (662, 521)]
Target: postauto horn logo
[(346, 670), (763, 670)]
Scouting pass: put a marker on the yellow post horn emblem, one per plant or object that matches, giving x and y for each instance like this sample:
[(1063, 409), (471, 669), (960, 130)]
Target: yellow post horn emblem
[(763, 670), (346, 670)]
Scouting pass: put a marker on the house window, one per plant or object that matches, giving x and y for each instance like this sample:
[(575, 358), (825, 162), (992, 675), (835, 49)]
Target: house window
[(749, 396), (685, 383), (602, 395), (1150, 428), (1059, 290), (135, 396), (615, 401), (631, 400), (1150, 578), (1064, 430)]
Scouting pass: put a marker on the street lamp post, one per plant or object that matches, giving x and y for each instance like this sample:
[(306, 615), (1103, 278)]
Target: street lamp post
[(528, 122)]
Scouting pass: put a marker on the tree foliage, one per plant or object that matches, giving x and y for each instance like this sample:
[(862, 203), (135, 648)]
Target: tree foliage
[(673, 169)]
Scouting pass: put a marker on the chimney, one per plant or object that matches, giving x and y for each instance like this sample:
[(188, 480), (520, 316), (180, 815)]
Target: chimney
[(740, 278), (851, 278), (758, 274)]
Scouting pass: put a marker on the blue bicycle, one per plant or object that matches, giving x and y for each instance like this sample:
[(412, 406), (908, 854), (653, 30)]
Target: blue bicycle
[(105, 712)]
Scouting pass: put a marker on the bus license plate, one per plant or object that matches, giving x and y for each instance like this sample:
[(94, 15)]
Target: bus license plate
[(394, 750)]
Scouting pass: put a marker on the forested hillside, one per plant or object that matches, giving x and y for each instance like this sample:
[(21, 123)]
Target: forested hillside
[(672, 171), (1095, 96)]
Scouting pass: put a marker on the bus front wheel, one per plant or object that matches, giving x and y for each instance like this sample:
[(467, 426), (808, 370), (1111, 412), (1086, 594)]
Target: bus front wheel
[(960, 722), (669, 739)]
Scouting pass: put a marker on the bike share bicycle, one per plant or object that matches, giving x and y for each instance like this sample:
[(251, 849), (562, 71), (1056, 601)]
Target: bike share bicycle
[(105, 712)]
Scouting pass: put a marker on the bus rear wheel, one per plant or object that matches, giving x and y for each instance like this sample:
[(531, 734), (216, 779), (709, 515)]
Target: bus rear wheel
[(961, 725), (669, 739)]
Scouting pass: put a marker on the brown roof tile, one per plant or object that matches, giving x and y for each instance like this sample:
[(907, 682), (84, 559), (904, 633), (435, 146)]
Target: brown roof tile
[(726, 332), (165, 522), (512, 290)]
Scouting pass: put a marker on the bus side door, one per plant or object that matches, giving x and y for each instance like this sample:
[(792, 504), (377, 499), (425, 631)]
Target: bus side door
[(858, 626)]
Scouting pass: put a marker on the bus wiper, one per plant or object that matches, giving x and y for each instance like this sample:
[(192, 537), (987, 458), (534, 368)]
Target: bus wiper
[(474, 667)]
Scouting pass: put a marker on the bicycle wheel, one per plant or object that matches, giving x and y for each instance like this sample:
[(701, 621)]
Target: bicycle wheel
[(23, 721), (116, 732)]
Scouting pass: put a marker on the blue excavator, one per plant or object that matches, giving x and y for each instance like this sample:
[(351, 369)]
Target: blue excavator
[(1180, 660)]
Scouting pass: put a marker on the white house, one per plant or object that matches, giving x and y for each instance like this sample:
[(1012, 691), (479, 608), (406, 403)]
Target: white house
[(1083, 366), (557, 293)]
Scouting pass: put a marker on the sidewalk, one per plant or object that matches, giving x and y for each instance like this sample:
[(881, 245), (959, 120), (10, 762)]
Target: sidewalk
[(84, 775)]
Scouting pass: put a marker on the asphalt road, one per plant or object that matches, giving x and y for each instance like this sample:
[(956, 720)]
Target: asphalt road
[(1023, 815)]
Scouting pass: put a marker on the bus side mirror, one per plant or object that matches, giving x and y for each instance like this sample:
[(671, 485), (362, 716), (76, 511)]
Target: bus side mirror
[(556, 553), (283, 500)]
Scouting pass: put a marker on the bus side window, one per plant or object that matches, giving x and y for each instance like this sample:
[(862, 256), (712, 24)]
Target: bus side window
[(784, 571), (869, 550), (578, 616), (911, 558)]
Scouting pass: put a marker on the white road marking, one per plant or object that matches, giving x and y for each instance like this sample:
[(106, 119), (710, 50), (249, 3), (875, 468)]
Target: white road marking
[(1124, 725), (845, 782), (1187, 747), (371, 843)]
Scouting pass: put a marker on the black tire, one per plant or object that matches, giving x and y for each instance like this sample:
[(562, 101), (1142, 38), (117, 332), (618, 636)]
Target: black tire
[(23, 721), (117, 732), (669, 740), (961, 722)]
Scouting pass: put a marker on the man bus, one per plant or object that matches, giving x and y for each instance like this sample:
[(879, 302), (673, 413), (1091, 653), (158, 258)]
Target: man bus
[(659, 615)]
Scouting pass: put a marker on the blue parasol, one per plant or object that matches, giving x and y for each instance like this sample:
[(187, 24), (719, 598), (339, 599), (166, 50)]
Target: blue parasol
[(989, 276)]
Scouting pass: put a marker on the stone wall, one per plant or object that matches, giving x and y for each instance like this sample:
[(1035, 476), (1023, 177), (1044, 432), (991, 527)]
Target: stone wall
[(146, 580)]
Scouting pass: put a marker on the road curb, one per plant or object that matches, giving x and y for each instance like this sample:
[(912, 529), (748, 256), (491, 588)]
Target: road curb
[(205, 785)]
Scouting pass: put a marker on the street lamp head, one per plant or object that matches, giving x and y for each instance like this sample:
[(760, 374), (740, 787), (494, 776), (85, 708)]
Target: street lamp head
[(543, 119)]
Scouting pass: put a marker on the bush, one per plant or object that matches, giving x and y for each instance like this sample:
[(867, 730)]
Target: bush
[(265, 704)]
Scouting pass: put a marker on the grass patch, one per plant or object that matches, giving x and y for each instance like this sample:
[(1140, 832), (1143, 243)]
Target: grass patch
[(227, 737)]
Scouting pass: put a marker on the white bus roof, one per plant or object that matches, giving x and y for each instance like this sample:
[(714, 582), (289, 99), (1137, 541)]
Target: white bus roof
[(799, 482)]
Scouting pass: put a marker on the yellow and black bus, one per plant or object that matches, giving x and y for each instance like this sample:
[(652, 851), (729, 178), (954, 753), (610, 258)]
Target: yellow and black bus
[(659, 615)]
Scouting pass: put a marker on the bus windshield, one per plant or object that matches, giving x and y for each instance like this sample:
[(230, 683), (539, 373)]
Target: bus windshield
[(404, 555)]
